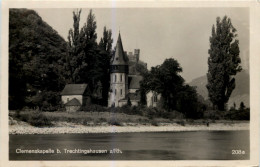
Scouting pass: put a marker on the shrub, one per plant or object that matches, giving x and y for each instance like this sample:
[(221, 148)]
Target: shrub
[(114, 122), (93, 108), (181, 122), (214, 114), (38, 119), (238, 114), (102, 119), (154, 123), (86, 120)]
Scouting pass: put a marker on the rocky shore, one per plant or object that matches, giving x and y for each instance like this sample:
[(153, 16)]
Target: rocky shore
[(66, 128)]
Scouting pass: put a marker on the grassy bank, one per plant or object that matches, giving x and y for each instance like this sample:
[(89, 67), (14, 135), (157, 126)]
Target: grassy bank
[(54, 119), (40, 119)]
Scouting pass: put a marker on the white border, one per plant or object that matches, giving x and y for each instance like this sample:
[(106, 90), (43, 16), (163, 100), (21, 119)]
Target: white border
[(254, 79)]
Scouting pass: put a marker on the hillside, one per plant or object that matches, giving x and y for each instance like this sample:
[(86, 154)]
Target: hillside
[(241, 92), (37, 55)]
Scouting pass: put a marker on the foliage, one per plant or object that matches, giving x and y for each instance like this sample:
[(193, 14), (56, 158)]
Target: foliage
[(76, 62), (242, 106), (88, 62), (129, 102), (223, 62), (36, 58), (34, 118), (166, 80), (105, 47)]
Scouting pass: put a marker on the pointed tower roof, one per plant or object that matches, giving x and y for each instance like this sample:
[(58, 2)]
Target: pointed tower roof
[(119, 58)]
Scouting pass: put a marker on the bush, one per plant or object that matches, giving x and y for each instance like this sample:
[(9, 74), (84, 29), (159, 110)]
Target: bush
[(93, 108), (154, 123), (181, 122), (214, 114), (114, 122), (102, 120), (238, 114), (87, 120), (38, 119)]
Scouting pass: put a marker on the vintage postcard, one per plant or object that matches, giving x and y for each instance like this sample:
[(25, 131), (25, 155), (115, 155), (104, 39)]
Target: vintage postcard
[(116, 83)]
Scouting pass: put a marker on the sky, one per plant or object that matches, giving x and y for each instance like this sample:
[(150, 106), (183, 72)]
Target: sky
[(160, 33)]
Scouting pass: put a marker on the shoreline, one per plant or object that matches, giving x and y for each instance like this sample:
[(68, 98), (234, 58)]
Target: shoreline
[(24, 128)]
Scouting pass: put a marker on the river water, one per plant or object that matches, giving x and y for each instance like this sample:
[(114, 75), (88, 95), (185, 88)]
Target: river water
[(200, 145)]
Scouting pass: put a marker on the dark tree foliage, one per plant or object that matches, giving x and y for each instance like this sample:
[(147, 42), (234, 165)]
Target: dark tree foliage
[(92, 74), (188, 102), (242, 106), (223, 62), (76, 63), (36, 57), (88, 62), (129, 102), (165, 79), (105, 46)]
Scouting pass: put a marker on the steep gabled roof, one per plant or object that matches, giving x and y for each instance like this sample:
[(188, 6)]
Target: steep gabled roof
[(73, 102), (119, 58), (74, 89)]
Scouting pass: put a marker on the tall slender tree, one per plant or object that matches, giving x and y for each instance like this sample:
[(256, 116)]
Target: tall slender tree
[(223, 62), (105, 46), (93, 71), (75, 63)]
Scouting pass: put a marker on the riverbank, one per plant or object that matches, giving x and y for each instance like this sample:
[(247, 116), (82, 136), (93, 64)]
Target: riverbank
[(70, 128)]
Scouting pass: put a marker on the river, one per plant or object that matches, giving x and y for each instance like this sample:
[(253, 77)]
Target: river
[(200, 145)]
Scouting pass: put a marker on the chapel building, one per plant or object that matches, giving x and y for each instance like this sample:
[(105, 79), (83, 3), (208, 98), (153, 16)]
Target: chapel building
[(124, 86)]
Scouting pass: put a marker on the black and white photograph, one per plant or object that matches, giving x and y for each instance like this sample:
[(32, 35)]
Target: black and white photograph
[(129, 84)]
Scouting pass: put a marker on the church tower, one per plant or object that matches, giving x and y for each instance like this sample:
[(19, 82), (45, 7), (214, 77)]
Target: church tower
[(118, 75)]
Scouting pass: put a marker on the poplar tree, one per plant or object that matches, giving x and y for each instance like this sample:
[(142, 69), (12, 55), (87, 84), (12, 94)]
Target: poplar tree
[(75, 62), (105, 46), (93, 71), (223, 62)]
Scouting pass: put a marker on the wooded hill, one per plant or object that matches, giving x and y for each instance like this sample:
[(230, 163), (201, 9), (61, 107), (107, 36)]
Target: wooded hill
[(37, 54), (240, 93)]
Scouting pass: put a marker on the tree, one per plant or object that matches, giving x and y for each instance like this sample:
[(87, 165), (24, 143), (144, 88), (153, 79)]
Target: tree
[(223, 62), (242, 106), (105, 46), (164, 79), (36, 61), (75, 63), (93, 72), (129, 102)]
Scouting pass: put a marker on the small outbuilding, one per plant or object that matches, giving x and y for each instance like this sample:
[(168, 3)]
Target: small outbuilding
[(75, 96), (73, 105)]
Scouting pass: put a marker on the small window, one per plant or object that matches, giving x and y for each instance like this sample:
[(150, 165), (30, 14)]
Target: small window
[(115, 91), (121, 77), (115, 78), (121, 91)]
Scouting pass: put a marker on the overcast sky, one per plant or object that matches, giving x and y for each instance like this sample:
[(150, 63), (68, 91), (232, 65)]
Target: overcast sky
[(160, 33)]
